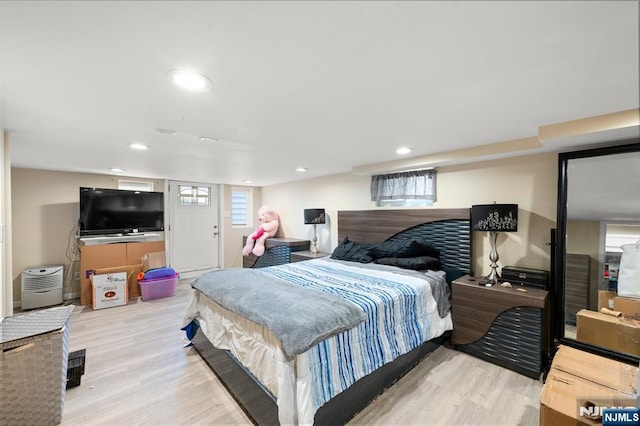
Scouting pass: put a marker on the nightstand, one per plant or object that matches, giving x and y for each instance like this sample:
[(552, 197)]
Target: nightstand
[(278, 251), (506, 326), (299, 256)]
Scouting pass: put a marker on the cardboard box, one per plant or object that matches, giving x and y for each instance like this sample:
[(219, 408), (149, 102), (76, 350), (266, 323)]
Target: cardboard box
[(605, 299), (580, 383), (619, 334), (94, 257), (627, 305), (135, 251), (109, 290), (153, 260), (132, 271), (97, 257)]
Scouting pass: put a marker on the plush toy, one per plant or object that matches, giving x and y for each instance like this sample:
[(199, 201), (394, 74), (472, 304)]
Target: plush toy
[(269, 226)]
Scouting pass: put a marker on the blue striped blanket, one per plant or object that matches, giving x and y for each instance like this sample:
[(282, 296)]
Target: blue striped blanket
[(399, 308)]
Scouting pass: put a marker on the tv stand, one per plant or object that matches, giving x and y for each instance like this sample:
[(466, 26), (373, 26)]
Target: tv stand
[(122, 238)]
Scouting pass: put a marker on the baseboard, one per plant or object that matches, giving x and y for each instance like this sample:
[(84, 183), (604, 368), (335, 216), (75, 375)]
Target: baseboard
[(194, 274)]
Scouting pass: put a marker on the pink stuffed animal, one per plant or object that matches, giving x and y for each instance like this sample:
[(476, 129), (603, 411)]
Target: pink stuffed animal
[(268, 228)]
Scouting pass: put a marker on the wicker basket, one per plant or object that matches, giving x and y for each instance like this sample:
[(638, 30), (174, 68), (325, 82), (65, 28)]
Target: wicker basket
[(35, 347)]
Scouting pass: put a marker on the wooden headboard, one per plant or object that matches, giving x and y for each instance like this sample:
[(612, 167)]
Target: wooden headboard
[(449, 230)]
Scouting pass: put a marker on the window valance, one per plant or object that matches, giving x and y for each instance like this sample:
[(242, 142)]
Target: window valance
[(412, 185)]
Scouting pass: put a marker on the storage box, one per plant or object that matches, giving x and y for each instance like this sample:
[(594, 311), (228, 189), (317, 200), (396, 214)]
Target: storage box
[(153, 261), (619, 334), (95, 257), (33, 348), (132, 271), (517, 275), (605, 299), (109, 290), (629, 306), (579, 384), (158, 288)]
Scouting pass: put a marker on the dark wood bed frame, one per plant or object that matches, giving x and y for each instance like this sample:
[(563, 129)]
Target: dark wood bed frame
[(447, 229)]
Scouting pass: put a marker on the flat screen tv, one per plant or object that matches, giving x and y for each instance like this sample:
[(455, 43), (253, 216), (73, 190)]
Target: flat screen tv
[(115, 211)]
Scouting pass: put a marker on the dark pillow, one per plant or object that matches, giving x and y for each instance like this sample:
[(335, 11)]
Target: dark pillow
[(419, 263), (403, 248), (452, 273), (352, 251)]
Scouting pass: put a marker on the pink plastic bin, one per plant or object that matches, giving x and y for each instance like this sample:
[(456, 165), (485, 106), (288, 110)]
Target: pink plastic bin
[(158, 288)]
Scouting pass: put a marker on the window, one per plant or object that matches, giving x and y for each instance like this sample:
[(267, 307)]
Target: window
[(194, 195), (241, 207), (131, 185), (414, 188)]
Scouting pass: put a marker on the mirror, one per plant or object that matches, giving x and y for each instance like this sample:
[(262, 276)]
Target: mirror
[(598, 213)]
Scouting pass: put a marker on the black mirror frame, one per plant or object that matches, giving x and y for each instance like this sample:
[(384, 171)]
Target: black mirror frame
[(624, 146)]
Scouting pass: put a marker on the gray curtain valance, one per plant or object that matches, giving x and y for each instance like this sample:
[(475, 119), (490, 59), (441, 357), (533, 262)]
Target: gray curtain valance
[(414, 185)]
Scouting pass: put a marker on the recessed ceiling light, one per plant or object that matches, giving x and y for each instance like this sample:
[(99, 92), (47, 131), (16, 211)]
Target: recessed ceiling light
[(192, 81), (404, 150), (139, 146), (247, 181), (207, 139), (115, 169), (301, 169)]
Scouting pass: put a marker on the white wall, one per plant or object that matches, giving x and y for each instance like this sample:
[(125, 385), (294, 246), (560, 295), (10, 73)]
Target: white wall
[(45, 210), (529, 181), (232, 236)]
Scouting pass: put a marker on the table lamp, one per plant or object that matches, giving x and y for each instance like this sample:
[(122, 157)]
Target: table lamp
[(314, 217), (494, 218)]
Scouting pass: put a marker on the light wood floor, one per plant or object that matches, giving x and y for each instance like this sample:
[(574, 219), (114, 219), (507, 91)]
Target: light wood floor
[(137, 372)]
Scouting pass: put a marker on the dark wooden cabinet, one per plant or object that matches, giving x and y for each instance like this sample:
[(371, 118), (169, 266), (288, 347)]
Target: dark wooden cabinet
[(576, 288), (277, 252), (506, 326)]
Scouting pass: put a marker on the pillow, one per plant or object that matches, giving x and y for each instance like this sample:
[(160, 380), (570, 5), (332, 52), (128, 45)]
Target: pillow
[(452, 273), (403, 248), (419, 263), (352, 251)]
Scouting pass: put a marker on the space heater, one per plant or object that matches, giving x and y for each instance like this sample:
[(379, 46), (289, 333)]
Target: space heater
[(41, 287)]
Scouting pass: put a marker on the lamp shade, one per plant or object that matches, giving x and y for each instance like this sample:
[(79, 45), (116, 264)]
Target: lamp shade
[(312, 216), (495, 217)]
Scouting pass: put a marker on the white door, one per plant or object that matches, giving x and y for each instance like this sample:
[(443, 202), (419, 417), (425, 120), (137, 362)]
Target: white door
[(194, 226)]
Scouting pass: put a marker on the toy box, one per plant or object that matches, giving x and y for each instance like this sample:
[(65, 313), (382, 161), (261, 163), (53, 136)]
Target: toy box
[(158, 288)]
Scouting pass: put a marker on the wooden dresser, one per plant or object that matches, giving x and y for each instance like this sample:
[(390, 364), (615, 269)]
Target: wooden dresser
[(506, 326), (576, 290)]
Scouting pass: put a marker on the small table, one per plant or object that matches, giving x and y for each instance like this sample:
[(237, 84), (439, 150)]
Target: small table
[(299, 256), (278, 251)]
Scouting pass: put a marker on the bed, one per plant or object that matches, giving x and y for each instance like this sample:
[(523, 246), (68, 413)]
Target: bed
[(374, 321)]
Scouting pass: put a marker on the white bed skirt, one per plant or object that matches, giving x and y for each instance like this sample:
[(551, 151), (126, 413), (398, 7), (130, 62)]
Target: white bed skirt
[(286, 377)]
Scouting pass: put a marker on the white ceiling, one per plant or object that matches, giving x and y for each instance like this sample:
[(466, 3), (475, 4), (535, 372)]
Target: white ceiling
[(323, 85)]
